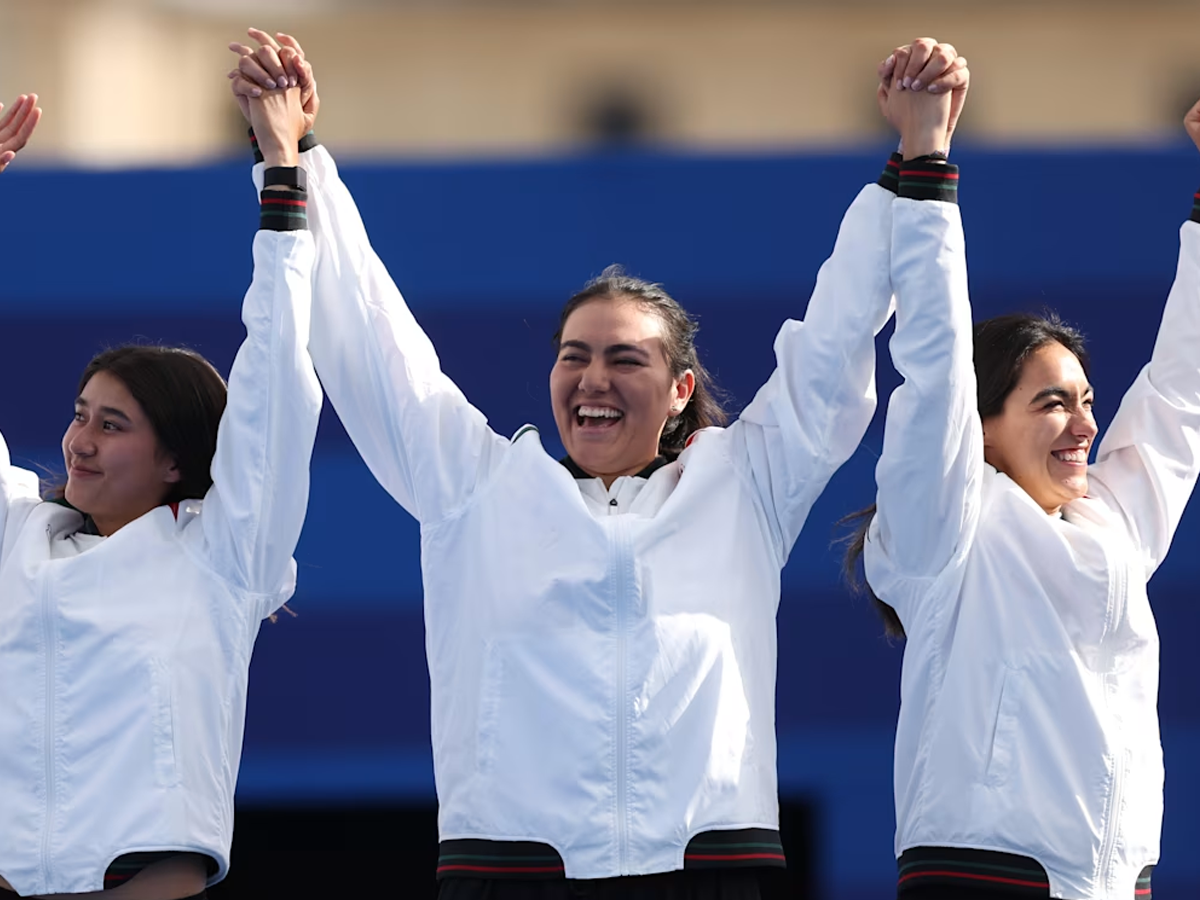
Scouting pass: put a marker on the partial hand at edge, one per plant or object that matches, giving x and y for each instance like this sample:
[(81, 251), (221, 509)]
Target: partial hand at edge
[(16, 126)]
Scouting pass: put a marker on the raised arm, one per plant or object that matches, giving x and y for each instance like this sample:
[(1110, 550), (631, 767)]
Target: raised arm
[(254, 511), (16, 126), (1150, 456), (928, 475), (812, 413), (415, 430)]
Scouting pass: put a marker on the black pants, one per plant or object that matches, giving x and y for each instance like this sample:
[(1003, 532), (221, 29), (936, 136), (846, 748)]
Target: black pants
[(686, 884)]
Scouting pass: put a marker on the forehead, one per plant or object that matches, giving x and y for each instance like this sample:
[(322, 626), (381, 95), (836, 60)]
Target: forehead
[(616, 321), (106, 389), (1052, 365)]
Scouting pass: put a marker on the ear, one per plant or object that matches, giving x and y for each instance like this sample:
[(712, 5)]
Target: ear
[(685, 386), (172, 475)]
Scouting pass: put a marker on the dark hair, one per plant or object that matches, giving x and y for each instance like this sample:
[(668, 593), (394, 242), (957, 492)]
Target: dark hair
[(182, 396), (1001, 347), (679, 346)]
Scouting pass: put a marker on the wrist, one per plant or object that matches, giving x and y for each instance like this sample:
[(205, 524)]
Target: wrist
[(923, 144)]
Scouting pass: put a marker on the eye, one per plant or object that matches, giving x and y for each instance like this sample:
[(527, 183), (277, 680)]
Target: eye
[(78, 416), (628, 362), (1089, 402), (108, 425), (570, 357), (1053, 404)]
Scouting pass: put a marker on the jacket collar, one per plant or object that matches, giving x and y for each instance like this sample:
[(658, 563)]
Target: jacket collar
[(573, 467)]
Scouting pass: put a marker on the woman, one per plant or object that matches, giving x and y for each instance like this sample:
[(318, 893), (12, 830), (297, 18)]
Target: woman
[(129, 606), (600, 631), (1027, 753)]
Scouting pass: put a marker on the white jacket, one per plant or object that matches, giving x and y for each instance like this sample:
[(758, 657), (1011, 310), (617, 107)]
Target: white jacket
[(124, 660), (1027, 720), (602, 676)]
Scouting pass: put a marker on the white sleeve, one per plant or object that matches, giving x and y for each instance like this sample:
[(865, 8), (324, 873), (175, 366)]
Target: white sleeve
[(1150, 456), (16, 485), (930, 471), (811, 414), (253, 513), (413, 427)]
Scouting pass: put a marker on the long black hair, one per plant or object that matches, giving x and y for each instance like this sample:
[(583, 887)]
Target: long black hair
[(679, 345), (183, 398), (1002, 346)]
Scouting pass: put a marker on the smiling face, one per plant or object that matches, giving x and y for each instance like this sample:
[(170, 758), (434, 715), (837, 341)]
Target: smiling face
[(116, 469), (612, 389), (1042, 437)]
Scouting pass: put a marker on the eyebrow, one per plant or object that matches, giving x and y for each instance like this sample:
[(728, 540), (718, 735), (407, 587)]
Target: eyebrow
[(1060, 392), (611, 350), (110, 411)]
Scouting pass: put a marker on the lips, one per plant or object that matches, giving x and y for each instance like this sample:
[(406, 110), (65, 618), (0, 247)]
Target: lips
[(82, 472)]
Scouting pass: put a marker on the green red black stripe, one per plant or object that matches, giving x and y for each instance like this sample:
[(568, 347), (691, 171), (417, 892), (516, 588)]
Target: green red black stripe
[(890, 179), (1008, 874), (283, 210), (922, 179), (1196, 207), (306, 143), (738, 848)]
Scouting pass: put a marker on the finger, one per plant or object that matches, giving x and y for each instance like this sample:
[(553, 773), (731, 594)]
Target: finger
[(244, 87), (268, 58), (290, 59), (5, 158), (250, 68), (288, 41), (901, 54), (941, 57), (241, 49), (957, 77), (30, 123), (304, 72), (918, 54), (12, 112), (886, 68), (263, 38), (10, 127)]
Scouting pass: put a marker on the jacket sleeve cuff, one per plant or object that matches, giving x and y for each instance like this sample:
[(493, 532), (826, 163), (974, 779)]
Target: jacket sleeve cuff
[(890, 179), (306, 143), (283, 210), (923, 179), (1195, 217)]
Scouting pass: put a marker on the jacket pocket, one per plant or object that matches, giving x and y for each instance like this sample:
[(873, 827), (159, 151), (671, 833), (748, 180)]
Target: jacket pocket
[(166, 773), (1004, 730)]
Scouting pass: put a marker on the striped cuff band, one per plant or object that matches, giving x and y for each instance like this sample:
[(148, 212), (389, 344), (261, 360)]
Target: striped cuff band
[(921, 179), (306, 143), (890, 179), (1196, 207), (283, 211)]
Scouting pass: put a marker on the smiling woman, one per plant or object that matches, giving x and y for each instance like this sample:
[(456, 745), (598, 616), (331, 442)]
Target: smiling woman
[(133, 596), (1028, 760), (601, 629)]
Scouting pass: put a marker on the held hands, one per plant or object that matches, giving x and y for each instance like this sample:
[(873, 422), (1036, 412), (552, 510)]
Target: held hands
[(1191, 122), (275, 66), (923, 86), (16, 126)]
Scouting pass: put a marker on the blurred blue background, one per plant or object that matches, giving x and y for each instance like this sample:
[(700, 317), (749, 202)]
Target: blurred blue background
[(486, 252)]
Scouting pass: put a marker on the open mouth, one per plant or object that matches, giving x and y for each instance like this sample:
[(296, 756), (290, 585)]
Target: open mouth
[(1076, 456), (597, 416)]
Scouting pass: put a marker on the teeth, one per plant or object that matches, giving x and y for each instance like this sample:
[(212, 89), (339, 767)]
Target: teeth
[(600, 412), (1071, 455)]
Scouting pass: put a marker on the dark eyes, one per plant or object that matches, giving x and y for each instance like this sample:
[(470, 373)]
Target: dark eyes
[(106, 425)]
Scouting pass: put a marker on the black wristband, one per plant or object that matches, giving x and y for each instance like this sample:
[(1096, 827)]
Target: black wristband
[(1196, 207), (283, 210), (890, 179), (306, 143), (921, 179), (292, 176)]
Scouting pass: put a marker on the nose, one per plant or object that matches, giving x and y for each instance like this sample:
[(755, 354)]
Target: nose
[(1083, 425), (594, 379), (80, 443)]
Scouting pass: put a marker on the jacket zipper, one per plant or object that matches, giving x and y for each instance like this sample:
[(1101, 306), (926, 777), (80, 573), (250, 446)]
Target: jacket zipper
[(621, 736), (48, 635), (1117, 566)]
